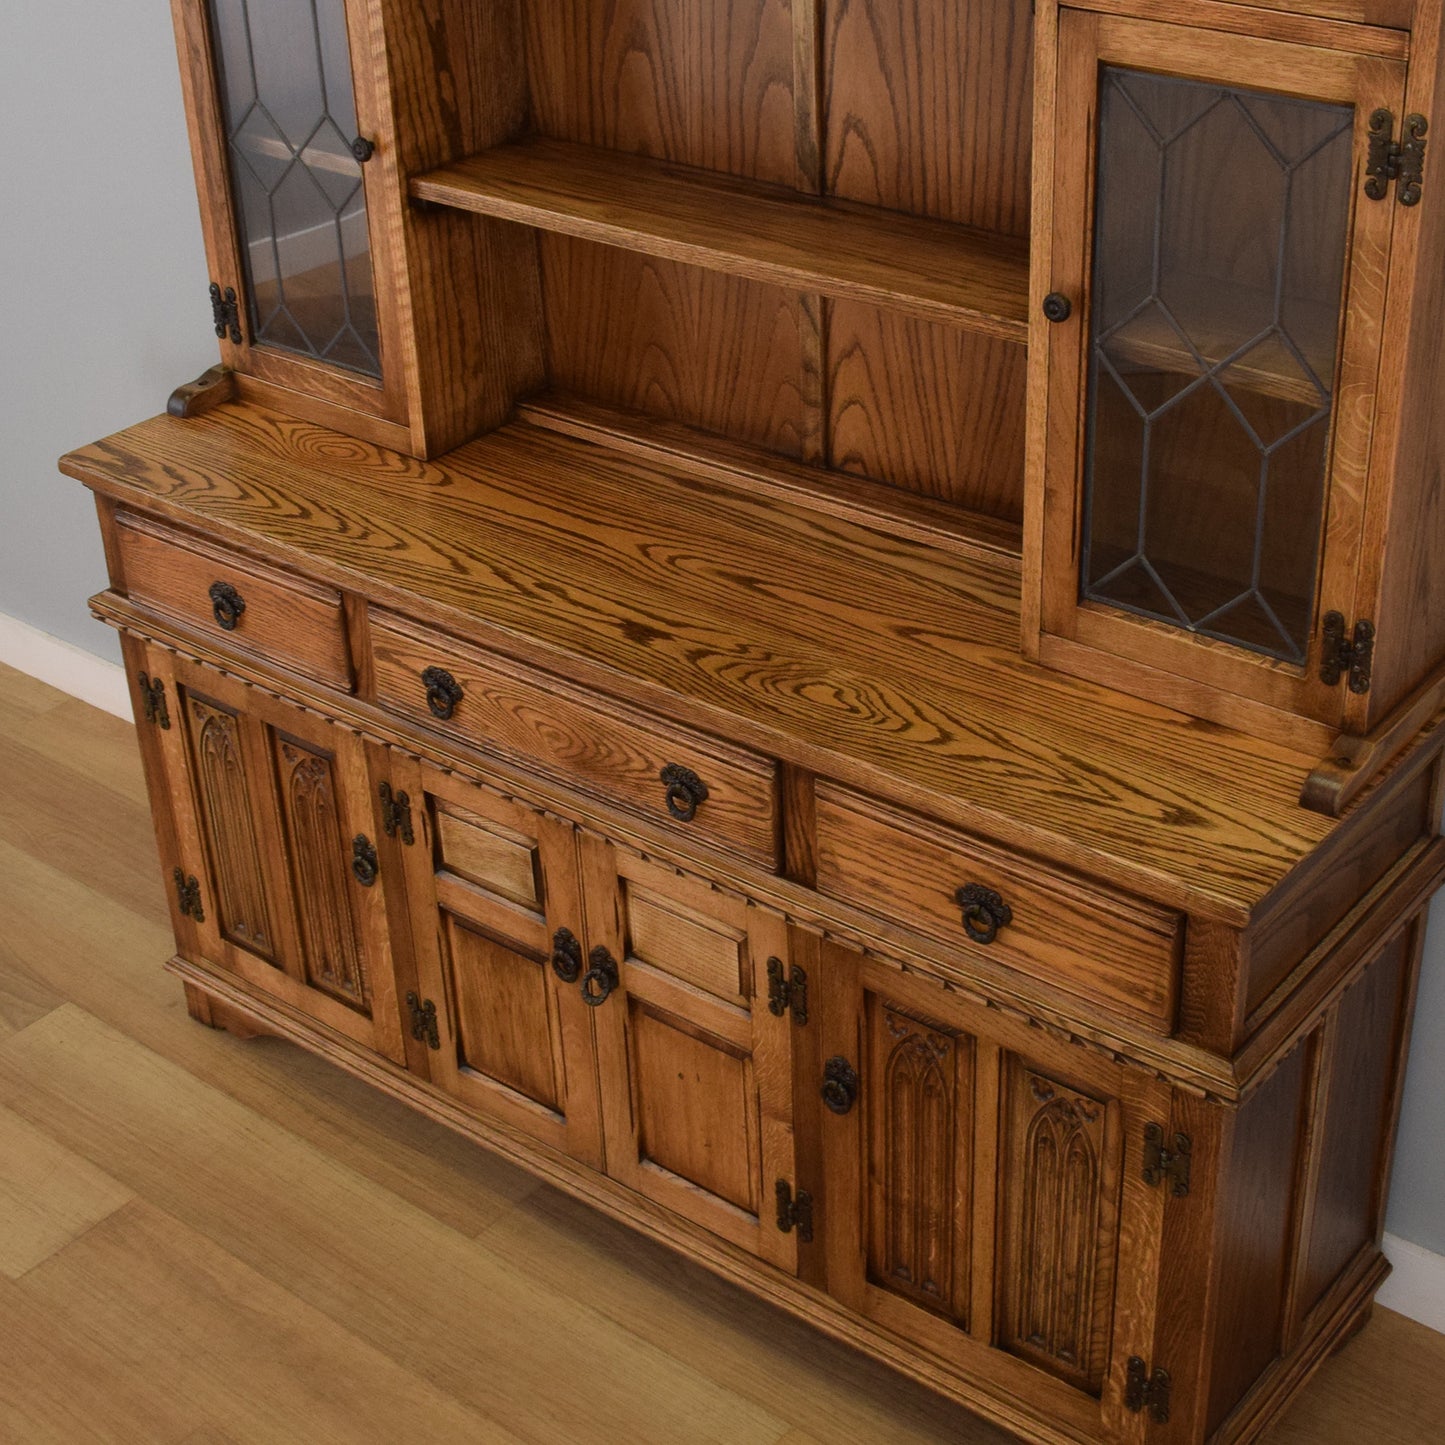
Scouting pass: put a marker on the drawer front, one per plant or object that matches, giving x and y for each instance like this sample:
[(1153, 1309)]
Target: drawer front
[(1108, 949), (585, 741), (245, 604)]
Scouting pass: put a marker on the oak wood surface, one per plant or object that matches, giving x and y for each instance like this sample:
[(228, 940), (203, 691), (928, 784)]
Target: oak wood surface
[(921, 267), (675, 585)]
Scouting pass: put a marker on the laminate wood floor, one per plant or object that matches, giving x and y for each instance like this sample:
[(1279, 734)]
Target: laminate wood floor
[(204, 1240)]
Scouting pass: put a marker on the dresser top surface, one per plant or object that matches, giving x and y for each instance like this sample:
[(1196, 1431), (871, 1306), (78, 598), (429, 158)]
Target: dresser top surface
[(894, 661)]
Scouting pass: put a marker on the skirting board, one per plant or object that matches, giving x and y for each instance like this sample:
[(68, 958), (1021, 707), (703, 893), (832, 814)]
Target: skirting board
[(1416, 1287), (63, 665)]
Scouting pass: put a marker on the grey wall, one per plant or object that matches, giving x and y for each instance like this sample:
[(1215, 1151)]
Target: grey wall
[(103, 312)]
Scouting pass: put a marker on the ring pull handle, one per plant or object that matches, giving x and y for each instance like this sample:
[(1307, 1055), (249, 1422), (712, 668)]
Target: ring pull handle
[(363, 860), (686, 792), (566, 956), (840, 1085), (984, 912), (227, 604), (443, 692), (601, 978)]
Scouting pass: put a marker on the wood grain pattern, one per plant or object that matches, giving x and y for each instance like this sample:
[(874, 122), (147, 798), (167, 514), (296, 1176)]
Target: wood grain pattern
[(286, 618), (705, 82), (922, 267), (714, 351), (926, 108), (930, 408), (589, 739), (489, 854), (595, 558)]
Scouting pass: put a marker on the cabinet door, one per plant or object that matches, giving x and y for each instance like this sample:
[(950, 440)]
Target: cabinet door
[(695, 1066), (1001, 1219), (497, 918), (1212, 351), (274, 821), (282, 113)]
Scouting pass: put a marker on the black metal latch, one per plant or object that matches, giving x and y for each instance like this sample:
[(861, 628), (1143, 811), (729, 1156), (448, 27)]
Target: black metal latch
[(226, 313), (1401, 161), (153, 699), (787, 989), (396, 814), (795, 1213), (1172, 1164), (423, 1020), (1341, 654), (1145, 1391), (188, 896)]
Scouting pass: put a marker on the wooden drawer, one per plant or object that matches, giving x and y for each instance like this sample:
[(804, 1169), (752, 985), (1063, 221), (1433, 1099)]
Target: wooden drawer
[(585, 741), (1111, 950), (281, 617)]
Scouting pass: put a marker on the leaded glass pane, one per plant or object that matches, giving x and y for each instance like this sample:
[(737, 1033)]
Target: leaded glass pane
[(290, 118), (1220, 233)]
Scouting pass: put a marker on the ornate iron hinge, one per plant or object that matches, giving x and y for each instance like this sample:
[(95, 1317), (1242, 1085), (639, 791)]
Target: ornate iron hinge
[(396, 814), (787, 989), (153, 695), (188, 896), (1401, 161), (1340, 654), (795, 1213), (226, 313), (1172, 1164), (1145, 1391), (423, 1021)]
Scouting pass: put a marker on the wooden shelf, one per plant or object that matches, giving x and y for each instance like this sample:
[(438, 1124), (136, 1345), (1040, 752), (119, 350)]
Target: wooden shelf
[(924, 268)]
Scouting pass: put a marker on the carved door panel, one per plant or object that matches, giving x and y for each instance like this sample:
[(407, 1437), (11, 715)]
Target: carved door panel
[(497, 918), (1002, 1217), (278, 873), (694, 1064)]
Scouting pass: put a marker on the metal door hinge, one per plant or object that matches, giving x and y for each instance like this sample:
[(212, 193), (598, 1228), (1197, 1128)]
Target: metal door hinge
[(1172, 1164), (396, 814), (226, 313), (795, 1213), (787, 989), (423, 1021), (1145, 1391), (153, 696), (1341, 654), (1401, 161), (188, 896)]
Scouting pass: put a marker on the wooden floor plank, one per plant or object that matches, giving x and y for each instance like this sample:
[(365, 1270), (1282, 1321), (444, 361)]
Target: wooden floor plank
[(87, 743), (48, 1196), (418, 1291)]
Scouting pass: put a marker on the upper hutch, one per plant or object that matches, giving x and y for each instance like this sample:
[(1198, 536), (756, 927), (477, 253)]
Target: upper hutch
[(816, 618)]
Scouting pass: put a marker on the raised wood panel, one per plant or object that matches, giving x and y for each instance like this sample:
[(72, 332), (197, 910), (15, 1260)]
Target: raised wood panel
[(928, 407), (1359, 1098), (490, 855), (1110, 951), (715, 351), (319, 849), (703, 82), (1060, 1188), (706, 952), (228, 820), (287, 619), (504, 1016), (919, 1094), (927, 107), (696, 1106)]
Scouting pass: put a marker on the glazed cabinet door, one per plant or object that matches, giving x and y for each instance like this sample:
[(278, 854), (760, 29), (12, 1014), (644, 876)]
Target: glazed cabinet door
[(983, 1191), (276, 874), (492, 885), (1215, 257), (695, 1063), (286, 125)]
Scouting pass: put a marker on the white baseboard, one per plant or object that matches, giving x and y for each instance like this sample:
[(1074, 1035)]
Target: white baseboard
[(1416, 1287), (63, 665)]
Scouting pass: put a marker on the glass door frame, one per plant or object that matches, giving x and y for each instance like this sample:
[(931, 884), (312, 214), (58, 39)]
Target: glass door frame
[(1211, 678), (350, 401)]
